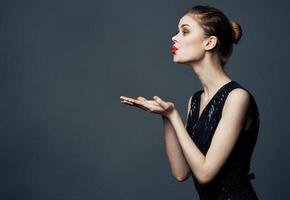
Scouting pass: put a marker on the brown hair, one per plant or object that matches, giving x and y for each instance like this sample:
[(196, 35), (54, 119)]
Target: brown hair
[(214, 22)]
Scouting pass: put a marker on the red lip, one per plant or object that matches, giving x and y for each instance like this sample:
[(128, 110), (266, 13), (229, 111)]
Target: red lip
[(174, 49)]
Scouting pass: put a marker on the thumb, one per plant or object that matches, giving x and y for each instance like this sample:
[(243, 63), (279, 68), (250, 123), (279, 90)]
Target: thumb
[(160, 102)]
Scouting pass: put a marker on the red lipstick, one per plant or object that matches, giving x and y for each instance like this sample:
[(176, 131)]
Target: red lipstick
[(174, 49)]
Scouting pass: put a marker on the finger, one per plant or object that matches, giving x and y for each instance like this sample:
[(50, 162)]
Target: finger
[(125, 98), (144, 108), (144, 104), (160, 102), (127, 102), (130, 103), (142, 98), (134, 104), (138, 103)]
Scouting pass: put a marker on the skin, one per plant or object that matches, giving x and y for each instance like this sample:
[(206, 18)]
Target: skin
[(196, 50)]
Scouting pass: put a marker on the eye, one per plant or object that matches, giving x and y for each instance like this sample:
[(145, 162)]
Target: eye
[(183, 32)]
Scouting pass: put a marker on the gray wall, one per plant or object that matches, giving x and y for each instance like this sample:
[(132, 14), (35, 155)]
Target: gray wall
[(64, 64)]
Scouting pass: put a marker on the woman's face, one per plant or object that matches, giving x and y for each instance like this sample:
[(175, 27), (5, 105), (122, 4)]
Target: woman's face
[(189, 41)]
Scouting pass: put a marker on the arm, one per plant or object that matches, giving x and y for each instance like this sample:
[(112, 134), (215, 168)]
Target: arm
[(233, 116), (178, 164)]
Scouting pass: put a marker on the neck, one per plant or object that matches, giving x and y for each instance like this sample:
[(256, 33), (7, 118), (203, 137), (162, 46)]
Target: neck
[(211, 75)]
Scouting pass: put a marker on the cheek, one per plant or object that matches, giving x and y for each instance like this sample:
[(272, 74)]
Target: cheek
[(193, 49)]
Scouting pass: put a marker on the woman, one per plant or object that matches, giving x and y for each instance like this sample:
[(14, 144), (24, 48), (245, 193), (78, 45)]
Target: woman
[(216, 145)]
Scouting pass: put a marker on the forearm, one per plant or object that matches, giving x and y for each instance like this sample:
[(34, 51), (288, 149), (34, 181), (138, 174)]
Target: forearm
[(179, 166), (192, 154)]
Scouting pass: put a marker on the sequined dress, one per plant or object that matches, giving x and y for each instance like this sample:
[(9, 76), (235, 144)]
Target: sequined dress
[(233, 180)]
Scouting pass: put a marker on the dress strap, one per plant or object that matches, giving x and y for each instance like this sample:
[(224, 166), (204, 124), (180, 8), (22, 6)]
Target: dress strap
[(194, 96)]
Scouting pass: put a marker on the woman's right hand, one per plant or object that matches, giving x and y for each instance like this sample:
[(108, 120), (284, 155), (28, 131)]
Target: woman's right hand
[(157, 105)]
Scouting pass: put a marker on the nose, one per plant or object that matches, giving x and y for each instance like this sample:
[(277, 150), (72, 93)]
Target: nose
[(174, 39)]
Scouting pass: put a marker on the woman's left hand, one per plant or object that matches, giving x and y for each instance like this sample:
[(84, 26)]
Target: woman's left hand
[(157, 105)]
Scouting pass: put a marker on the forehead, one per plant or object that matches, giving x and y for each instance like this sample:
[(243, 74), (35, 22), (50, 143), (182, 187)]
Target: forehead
[(187, 19)]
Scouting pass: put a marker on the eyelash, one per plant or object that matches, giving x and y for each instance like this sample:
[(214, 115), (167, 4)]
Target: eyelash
[(184, 32)]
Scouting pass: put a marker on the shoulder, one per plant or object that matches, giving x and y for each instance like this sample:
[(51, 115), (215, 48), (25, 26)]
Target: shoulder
[(239, 93), (238, 98)]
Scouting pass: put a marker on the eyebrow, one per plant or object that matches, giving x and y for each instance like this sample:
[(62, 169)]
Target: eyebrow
[(185, 25)]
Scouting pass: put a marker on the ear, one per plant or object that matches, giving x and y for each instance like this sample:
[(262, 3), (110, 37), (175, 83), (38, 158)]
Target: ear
[(210, 42)]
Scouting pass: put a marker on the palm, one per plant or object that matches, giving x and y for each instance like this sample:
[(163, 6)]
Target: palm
[(155, 106)]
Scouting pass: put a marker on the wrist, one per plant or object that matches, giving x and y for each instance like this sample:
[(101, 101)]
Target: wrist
[(170, 115)]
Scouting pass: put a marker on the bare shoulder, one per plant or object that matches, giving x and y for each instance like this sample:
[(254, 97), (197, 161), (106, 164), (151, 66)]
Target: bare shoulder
[(238, 98), (239, 93)]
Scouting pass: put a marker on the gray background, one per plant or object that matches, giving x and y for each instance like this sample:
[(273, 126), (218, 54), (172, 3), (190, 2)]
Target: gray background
[(64, 64)]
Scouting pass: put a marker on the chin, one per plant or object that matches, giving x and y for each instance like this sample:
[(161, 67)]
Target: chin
[(180, 61)]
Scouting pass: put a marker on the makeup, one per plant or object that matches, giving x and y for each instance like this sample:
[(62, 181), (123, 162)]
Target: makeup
[(173, 49)]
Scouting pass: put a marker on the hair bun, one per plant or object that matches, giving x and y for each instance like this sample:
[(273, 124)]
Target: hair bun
[(237, 31)]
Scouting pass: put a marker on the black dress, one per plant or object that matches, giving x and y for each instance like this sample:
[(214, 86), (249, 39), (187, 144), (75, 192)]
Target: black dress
[(233, 180)]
